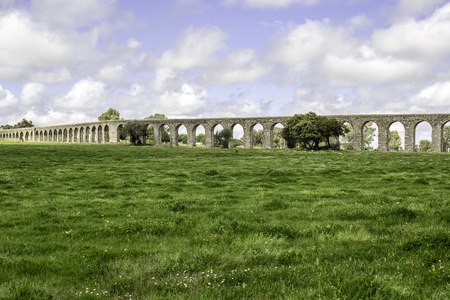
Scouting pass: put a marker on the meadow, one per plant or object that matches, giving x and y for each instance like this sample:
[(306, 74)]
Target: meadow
[(81, 221)]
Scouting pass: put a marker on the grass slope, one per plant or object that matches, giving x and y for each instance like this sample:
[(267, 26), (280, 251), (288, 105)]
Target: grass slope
[(121, 222)]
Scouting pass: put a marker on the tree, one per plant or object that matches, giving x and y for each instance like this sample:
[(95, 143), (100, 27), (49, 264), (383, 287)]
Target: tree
[(277, 137), (110, 114), (329, 127), (201, 138), (310, 129), (368, 134), (258, 138), (347, 138), (237, 143), (135, 131), (182, 138), (446, 138), (24, 123), (424, 146), (395, 141), (223, 137), (165, 135), (7, 126)]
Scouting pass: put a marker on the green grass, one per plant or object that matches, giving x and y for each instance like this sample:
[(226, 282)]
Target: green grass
[(122, 222)]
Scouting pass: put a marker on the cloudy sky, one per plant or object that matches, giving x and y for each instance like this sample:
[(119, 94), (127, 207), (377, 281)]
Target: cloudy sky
[(69, 61)]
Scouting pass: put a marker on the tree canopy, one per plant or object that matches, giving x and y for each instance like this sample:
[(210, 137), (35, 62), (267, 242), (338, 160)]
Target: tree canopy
[(446, 138), (110, 114), (135, 131), (24, 123), (424, 146), (395, 141), (165, 136), (223, 137), (310, 129)]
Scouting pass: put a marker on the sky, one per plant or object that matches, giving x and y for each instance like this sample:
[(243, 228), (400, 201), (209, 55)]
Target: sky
[(69, 61)]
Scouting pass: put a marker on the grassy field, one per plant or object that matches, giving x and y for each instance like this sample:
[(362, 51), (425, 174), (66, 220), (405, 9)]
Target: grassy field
[(122, 222)]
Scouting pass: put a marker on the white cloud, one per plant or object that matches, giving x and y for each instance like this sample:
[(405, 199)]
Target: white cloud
[(134, 44), (407, 8), (114, 72), (61, 74), (32, 93), (7, 99), (436, 95), (349, 71), (270, 3), (417, 39), (241, 66), (87, 94), (28, 45), (56, 117), (190, 99), (196, 48), (72, 13)]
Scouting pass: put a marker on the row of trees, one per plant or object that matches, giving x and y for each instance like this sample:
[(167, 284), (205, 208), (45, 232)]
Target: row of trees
[(22, 124)]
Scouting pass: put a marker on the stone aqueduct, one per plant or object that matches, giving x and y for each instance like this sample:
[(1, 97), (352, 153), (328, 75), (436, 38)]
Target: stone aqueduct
[(108, 131)]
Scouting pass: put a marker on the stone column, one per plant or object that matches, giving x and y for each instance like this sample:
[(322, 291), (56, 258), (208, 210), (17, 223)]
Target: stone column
[(157, 134), (209, 136), (410, 136), (383, 136), (268, 136), (248, 136), (358, 142), (173, 135), (437, 135), (191, 131)]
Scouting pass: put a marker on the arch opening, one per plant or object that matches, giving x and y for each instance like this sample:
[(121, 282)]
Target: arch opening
[(396, 137), (100, 134), (423, 137), (106, 134), (75, 135), (200, 138), (182, 139), (370, 136), (238, 135), (277, 138), (257, 136)]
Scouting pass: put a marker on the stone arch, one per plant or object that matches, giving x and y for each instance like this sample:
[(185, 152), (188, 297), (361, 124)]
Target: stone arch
[(198, 133), (55, 135), (181, 134), (27, 136), (50, 135), (445, 131), (238, 135), (64, 139), (422, 132), (106, 134), (87, 135), (162, 134), (70, 139), (257, 137), (82, 135), (100, 134), (396, 131), (119, 131), (214, 130), (93, 134), (274, 138), (369, 135), (75, 135), (346, 140)]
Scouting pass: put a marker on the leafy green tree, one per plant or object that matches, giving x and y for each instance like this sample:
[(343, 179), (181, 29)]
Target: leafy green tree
[(7, 126), (110, 114), (395, 141), (258, 138), (446, 138), (222, 138), (329, 127), (165, 135), (277, 137), (310, 129), (135, 131), (424, 146), (24, 123), (368, 134), (237, 143), (201, 138), (182, 138), (347, 138)]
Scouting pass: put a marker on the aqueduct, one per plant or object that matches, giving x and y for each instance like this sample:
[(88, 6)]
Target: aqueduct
[(108, 131)]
